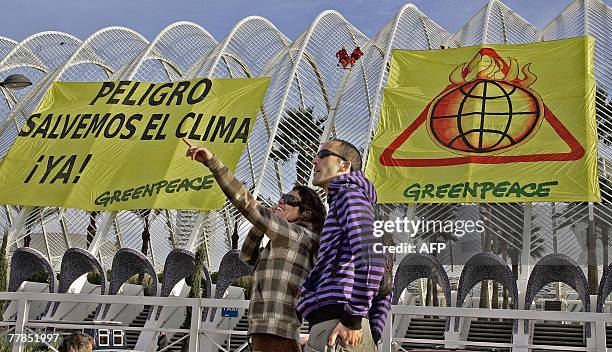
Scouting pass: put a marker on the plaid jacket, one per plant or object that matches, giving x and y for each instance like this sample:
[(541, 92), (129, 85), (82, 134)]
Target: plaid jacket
[(282, 266)]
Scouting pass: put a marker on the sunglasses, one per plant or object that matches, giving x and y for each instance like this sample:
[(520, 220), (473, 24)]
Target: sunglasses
[(324, 153), (289, 199)]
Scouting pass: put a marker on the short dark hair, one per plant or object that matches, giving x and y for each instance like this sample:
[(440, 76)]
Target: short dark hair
[(77, 342), (350, 152)]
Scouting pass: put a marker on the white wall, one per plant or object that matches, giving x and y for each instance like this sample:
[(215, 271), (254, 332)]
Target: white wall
[(69, 311), (36, 308), (125, 313)]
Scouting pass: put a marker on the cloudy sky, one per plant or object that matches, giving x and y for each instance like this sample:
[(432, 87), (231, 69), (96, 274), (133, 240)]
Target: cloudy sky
[(81, 18)]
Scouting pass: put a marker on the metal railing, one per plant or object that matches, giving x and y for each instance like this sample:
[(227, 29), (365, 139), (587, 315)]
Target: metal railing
[(200, 330), (197, 331), (521, 342)]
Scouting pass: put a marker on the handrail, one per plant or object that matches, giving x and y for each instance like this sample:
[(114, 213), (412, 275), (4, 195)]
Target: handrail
[(174, 344), (110, 299), (502, 313), (23, 324), (599, 321), (24, 298)]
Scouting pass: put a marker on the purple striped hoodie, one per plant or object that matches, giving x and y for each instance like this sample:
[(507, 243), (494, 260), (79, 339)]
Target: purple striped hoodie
[(347, 291)]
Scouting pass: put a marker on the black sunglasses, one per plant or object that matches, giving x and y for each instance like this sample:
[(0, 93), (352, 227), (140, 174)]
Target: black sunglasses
[(324, 153), (290, 199)]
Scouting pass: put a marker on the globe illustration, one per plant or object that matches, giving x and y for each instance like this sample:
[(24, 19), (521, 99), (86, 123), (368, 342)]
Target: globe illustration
[(484, 116)]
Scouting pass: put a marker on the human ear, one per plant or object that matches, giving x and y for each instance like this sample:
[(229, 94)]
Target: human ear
[(346, 166)]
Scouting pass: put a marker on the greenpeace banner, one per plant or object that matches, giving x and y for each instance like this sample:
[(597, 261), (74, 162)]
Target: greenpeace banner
[(491, 123), (117, 145)]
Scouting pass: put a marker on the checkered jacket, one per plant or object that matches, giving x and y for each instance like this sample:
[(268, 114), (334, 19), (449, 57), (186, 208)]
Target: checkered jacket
[(282, 266)]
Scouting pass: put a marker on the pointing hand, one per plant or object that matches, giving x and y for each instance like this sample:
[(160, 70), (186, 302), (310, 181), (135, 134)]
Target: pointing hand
[(201, 154)]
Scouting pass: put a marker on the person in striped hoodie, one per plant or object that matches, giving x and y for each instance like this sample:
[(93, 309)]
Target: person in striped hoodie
[(339, 298)]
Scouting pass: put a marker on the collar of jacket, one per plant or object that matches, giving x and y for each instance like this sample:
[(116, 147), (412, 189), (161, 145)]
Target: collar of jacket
[(355, 178)]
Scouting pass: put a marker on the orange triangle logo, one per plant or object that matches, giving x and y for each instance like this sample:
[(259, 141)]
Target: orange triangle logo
[(444, 113)]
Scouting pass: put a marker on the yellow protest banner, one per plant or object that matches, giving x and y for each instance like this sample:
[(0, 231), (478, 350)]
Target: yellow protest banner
[(117, 145), (489, 123)]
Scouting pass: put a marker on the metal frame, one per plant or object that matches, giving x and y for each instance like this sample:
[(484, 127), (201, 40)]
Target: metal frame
[(303, 75), (200, 329)]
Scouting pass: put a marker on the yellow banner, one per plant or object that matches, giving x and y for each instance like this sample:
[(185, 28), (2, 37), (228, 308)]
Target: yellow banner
[(489, 123), (117, 146)]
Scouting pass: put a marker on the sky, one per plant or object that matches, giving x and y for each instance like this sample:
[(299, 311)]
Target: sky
[(81, 18)]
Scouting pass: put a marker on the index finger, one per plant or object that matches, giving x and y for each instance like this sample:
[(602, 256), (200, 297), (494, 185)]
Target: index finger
[(187, 142)]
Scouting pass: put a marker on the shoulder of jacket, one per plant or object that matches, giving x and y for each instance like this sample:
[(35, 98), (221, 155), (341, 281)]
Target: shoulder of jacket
[(303, 229), (350, 189)]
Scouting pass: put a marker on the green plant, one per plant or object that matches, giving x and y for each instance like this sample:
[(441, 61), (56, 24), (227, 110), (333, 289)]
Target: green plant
[(298, 134), (3, 268), (94, 278), (597, 229), (213, 277), (5, 346), (40, 276), (92, 227), (146, 282), (246, 282), (440, 212)]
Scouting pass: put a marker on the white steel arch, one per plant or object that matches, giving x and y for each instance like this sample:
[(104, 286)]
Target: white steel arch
[(495, 23), (171, 53), (159, 62), (359, 103), (43, 51), (89, 53), (6, 45), (592, 18), (309, 89), (249, 46), (34, 57), (297, 84), (94, 62), (361, 98)]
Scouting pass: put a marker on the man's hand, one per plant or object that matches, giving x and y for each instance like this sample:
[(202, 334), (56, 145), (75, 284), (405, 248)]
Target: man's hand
[(348, 336), (201, 154)]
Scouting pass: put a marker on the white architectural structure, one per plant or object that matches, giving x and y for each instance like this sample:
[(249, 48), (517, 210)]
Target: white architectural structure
[(307, 87)]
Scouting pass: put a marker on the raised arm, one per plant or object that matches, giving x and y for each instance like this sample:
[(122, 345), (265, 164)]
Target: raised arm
[(280, 231), (250, 247)]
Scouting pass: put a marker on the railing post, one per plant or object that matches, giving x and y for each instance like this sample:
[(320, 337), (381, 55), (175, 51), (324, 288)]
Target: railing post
[(22, 318), (597, 339), (599, 334), (387, 336), (196, 321)]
